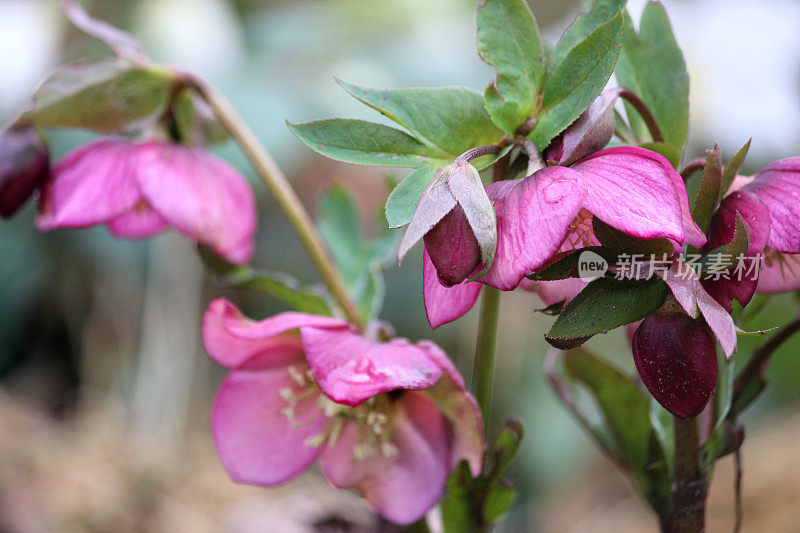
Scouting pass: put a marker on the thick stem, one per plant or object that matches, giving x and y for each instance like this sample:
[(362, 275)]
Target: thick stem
[(535, 161), (644, 112), (688, 489), (693, 166), (278, 185), (483, 369)]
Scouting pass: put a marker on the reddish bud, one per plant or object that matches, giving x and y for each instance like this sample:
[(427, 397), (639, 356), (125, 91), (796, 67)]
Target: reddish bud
[(24, 165), (676, 357), (453, 248), (590, 133)]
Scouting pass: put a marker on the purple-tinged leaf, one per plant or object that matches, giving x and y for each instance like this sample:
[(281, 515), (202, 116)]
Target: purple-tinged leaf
[(707, 195)]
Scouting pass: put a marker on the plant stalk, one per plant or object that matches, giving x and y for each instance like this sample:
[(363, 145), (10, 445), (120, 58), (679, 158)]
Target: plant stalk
[(689, 489), (287, 199), (485, 351), (644, 112)]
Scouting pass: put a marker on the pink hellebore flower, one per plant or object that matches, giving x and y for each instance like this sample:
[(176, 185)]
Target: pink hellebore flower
[(768, 204), (139, 190), (389, 419), (631, 189)]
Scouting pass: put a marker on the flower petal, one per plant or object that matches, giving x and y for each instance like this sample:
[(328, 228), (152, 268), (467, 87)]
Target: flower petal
[(255, 440), (89, 186), (739, 286), (779, 273), (636, 191), (403, 488), (138, 223), (351, 369), (232, 340), (201, 196), (552, 292), (778, 187), (445, 304), (533, 218)]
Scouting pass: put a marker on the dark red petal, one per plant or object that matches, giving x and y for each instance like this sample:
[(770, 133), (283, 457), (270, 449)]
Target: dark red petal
[(453, 248), (24, 165)]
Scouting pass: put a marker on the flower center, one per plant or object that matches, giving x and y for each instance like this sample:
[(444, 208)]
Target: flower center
[(580, 231), (372, 418)]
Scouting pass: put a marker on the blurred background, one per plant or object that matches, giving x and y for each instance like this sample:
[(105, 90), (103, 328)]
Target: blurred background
[(104, 386)]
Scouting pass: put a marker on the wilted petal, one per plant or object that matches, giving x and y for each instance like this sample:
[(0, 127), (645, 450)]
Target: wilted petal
[(254, 438), (533, 218), (445, 304), (635, 191), (466, 187), (232, 340), (779, 273), (588, 134), (24, 165), (452, 248), (401, 488), (140, 222), (778, 188), (91, 185), (677, 360), (201, 196), (693, 298), (436, 201), (351, 369)]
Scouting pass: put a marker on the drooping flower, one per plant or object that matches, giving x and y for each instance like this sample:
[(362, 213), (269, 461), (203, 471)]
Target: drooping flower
[(389, 419), (24, 165), (139, 190), (631, 189), (676, 357), (767, 203)]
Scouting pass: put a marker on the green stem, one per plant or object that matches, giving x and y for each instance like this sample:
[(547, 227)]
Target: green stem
[(485, 350), (689, 490), (644, 112), (284, 195)]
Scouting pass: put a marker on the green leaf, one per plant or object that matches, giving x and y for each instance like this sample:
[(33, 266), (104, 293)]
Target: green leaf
[(603, 305), (195, 121), (450, 118), (708, 194), (458, 513), (578, 80), (622, 242), (652, 65), (672, 154), (277, 284), (363, 143), (100, 95), (404, 198), (732, 169), (509, 41), (585, 23), (497, 503), (505, 448), (566, 266), (624, 405)]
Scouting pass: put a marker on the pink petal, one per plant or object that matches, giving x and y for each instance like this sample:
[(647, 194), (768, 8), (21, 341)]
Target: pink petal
[(403, 488), (779, 273), (231, 339), (690, 294), (138, 223), (351, 369), (90, 185), (199, 195), (778, 188), (533, 218), (445, 304), (636, 191), (254, 439), (551, 292)]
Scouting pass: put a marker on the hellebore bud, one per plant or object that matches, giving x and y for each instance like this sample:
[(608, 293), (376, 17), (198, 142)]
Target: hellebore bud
[(24, 166), (676, 357), (453, 248), (457, 220), (590, 133)]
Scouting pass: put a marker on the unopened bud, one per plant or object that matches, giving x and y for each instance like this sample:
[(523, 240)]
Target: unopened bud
[(453, 248), (24, 165), (590, 133)]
